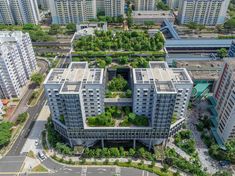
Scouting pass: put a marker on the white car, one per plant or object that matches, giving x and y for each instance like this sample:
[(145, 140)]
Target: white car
[(41, 155), (36, 143)]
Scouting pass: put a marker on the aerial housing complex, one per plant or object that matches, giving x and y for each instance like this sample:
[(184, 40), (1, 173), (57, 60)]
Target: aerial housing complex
[(77, 93), (17, 62)]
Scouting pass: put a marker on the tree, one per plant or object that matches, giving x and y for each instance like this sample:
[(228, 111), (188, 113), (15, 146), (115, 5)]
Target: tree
[(117, 84), (5, 133), (108, 60), (54, 30), (162, 6), (71, 27), (21, 118), (230, 24), (123, 60), (37, 78), (222, 52)]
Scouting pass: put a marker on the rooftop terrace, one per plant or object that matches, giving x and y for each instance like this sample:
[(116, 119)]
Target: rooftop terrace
[(72, 77)]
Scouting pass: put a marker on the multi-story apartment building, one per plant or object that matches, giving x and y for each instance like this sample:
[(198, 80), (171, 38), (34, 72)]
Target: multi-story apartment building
[(205, 12), (19, 12), (43, 4), (17, 61), (145, 5), (77, 92), (76, 11), (114, 8), (231, 52), (225, 95), (5, 13), (173, 4)]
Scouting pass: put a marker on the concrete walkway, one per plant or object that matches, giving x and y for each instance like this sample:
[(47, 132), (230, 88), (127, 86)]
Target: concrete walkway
[(179, 151)]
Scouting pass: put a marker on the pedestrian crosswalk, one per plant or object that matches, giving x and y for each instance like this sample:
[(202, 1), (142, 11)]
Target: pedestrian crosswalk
[(84, 171)]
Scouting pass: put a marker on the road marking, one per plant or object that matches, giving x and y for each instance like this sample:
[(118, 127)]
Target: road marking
[(84, 171), (118, 171), (143, 173)]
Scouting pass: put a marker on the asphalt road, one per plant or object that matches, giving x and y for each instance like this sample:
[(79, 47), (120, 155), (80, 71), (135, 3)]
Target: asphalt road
[(33, 113)]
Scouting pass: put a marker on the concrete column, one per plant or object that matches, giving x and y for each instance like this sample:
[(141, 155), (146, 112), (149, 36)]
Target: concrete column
[(134, 143), (150, 144), (102, 143)]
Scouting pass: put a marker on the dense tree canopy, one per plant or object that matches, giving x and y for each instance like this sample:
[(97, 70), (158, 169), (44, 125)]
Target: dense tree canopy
[(127, 41), (118, 84), (37, 78), (5, 133)]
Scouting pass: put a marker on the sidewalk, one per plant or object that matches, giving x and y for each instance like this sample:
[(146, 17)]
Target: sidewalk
[(179, 151)]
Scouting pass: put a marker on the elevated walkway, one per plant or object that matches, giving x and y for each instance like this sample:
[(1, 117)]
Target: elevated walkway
[(118, 102), (167, 26), (217, 138)]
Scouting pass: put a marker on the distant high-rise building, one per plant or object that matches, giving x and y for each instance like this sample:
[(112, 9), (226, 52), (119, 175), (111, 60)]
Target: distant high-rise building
[(231, 51), (205, 12), (17, 62), (75, 11), (114, 8), (19, 12), (43, 4), (144, 5), (5, 13), (225, 95), (173, 4)]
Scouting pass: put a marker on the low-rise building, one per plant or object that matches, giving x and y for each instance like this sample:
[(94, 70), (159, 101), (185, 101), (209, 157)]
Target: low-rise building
[(76, 93), (157, 17)]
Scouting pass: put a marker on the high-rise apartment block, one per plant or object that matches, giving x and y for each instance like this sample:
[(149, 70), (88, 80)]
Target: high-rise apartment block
[(78, 92), (173, 4), (231, 51), (17, 62), (76, 11), (225, 95), (19, 12), (144, 5), (114, 8), (205, 12)]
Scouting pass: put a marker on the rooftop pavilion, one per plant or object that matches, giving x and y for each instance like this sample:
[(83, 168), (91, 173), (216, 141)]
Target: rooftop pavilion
[(74, 76)]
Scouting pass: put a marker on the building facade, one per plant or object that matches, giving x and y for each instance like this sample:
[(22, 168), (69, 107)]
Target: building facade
[(43, 4), (225, 96), (72, 11), (145, 5), (231, 52), (114, 8), (205, 12), (173, 4), (17, 61), (19, 12), (77, 93)]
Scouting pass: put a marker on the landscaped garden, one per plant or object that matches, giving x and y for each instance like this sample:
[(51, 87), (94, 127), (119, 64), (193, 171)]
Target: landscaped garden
[(117, 116), (184, 140), (120, 41)]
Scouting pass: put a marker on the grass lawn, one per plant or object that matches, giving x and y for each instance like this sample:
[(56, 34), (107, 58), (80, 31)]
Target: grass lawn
[(31, 154), (39, 168)]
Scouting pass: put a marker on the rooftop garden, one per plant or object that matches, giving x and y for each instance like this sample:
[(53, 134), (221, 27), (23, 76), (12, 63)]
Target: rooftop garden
[(120, 41), (117, 116), (118, 88)]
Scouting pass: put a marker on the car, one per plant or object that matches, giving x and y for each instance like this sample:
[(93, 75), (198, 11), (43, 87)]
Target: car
[(36, 143), (41, 155)]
